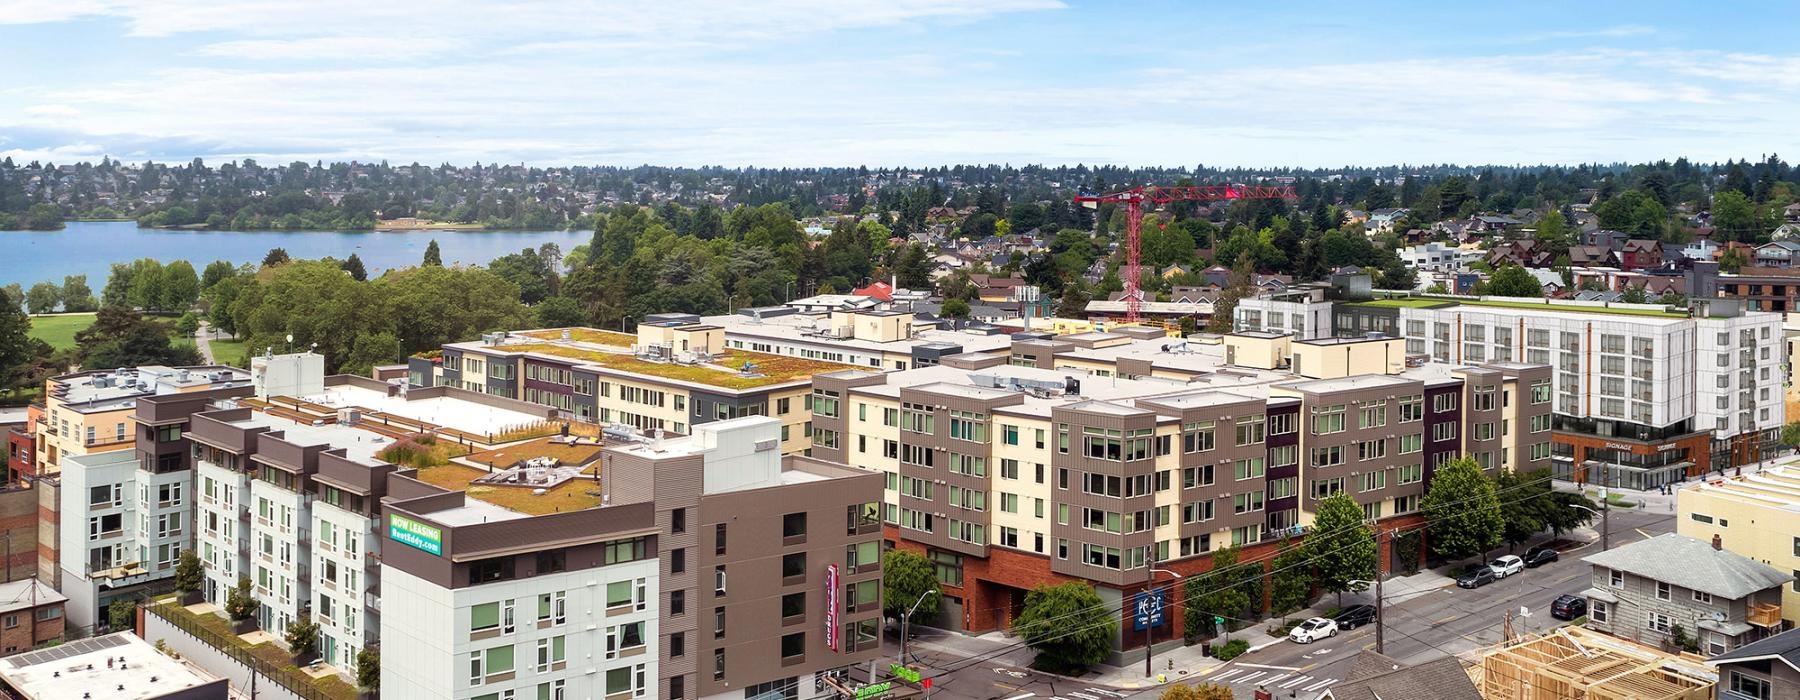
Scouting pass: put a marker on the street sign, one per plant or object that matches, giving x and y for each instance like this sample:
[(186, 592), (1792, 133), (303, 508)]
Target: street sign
[(1149, 607)]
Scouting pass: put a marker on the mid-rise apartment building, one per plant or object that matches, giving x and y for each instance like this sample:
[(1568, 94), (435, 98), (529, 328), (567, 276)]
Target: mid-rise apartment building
[(1644, 395), (1093, 456)]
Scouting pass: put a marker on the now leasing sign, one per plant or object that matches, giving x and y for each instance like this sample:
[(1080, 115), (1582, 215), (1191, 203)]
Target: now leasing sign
[(415, 534)]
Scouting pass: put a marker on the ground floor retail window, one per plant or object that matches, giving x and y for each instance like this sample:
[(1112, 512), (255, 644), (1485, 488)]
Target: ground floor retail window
[(783, 689)]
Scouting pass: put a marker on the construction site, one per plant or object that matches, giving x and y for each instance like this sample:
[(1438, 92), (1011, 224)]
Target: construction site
[(1574, 663)]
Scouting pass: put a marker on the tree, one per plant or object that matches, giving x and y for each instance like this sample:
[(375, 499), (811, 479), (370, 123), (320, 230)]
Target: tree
[(1222, 591), (216, 271), (368, 669), (905, 576), (1204, 691), (1733, 260), (433, 257), (956, 308), (1634, 294), (16, 347), (530, 271), (179, 287), (187, 572), (1462, 513), (1341, 547), (1790, 435), (1563, 511), (1514, 281), (1068, 625), (124, 338), (121, 614), (354, 266), (1734, 217), (559, 312), (43, 298), (77, 297), (239, 603), (188, 324), (276, 256), (302, 636), (1291, 580), (1673, 298), (1521, 510), (913, 270)]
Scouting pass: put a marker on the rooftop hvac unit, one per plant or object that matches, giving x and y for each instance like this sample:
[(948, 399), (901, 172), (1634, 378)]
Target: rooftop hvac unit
[(103, 381)]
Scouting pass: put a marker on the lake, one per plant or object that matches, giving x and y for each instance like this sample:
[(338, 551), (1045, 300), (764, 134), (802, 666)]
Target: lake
[(91, 247)]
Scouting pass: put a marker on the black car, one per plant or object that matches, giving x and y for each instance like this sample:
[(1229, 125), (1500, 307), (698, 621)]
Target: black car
[(1539, 556), (1477, 576), (1355, 616), (1568, 607)]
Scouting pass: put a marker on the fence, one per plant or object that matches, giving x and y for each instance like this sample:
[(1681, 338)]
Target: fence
[(286, 675)]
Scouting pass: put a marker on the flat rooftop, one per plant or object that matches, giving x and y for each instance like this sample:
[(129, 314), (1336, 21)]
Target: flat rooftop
[(359, 445), (806, 328), (81, 667), (723, 372), (1547, 306), (118, 389), (446, 411)]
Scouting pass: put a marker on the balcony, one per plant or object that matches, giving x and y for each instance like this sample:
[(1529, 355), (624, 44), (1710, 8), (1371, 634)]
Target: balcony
[(1764, 615)]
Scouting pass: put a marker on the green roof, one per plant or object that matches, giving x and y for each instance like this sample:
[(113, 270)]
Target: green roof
[(1522, 303), (1403, 303)]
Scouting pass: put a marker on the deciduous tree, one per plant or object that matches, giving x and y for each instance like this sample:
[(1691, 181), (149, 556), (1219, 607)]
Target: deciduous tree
[(905, 576), (1068, 625), (1462, 513), (1341, 545)]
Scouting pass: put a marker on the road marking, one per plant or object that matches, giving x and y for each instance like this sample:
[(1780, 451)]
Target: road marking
[(1246, 679), (1083, 696), (1022, 697), (1105, 692), (1296, 681), (1273, 668), (1273, 679), (1229, 674), (1447, 619), (1316, 687), (1641, 532)]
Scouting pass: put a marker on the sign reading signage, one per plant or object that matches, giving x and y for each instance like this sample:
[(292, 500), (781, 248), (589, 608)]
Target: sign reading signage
[(831, 606), (1149, 606), (415, 534), (873, 690)]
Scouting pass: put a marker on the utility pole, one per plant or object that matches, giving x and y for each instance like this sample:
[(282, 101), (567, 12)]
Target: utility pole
[(1381, 575), (1605, 509), (907, 616), (1150, 596)]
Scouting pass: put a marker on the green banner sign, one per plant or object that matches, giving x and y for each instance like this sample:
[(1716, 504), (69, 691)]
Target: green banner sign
[(415, 534), (873, 690), (904, 673)]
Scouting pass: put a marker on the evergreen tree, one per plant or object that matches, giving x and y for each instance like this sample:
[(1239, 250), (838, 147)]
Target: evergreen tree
[(433, 257), (276, 256), (354, 266)]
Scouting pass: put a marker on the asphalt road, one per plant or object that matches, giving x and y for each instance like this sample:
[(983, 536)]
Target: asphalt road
[(1443, 622), (1430, 625)]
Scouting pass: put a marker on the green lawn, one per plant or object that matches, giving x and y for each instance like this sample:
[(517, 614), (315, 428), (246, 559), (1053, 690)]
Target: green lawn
[(228, 352), (59, 331)]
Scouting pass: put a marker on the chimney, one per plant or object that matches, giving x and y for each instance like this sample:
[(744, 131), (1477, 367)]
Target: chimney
[(1718, 542)]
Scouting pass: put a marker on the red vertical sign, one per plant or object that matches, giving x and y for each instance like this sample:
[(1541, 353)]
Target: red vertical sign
[(831, 606)]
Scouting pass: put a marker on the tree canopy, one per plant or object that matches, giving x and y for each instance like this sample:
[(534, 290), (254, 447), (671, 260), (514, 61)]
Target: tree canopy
[(1462, 513), (1068, 625)]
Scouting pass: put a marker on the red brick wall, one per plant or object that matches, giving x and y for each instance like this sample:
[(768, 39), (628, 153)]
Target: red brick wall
[(22, 635)]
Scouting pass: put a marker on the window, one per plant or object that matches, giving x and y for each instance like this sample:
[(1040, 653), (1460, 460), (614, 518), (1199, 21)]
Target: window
[(1009, 434), (1616, 579), (1281, 424), (1443, 431), (1250, 430), (1322, 488), (1251, 468), (1664, 591), (719, 580), (1412, 473), (1192, 477), (621, 594), (618, 639), (719, 538), (628, 679), (1372, 415), (1703, 597), (1414, 442), (1747, 686), (718, 664), (1660, 623), (1327, 456), (1597, 610), (484, 617), (677, 603), (553, 607), (793, 525), (1373, 449), (792, 565), (1412, 408), (489, 662), (1374, 481), (718, 623), (1327, 419), (1247, 502), (1197, 437)]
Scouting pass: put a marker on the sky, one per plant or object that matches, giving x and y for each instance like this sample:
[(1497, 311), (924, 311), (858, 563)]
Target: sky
[(797, 83)]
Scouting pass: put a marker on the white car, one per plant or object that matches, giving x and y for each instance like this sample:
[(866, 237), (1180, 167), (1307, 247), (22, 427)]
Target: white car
[(1313, 630), (1506, 566)]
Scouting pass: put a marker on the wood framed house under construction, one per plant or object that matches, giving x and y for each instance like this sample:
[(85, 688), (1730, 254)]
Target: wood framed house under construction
[(1577, 664)]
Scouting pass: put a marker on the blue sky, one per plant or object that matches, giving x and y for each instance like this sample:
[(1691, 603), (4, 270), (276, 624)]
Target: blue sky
[(897, 82)]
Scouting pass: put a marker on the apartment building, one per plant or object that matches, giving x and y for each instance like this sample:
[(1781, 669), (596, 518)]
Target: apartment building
[(714, 566), (1091, 456), (673, 374), (1754, 515), (92, 412), (871, 338), (1650, 394)]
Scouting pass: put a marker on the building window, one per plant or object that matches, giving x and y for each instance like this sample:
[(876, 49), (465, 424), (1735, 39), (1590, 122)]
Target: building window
[(1703, 597), (793, 526), (1664, 591), (1748, 686), (1660, 623), (1617, 579), (793, 645), (1597, 610)]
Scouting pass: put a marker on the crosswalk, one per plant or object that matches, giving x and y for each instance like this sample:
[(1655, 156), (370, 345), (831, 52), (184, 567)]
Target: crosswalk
[(1272, 679), (1087, 694)]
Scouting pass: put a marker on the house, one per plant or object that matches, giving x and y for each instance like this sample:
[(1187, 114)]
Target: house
[(1605, 238), (1650, 589), (1576, 662), (1780, 253), (1174, 271), (1791, 212), (1433, 257), (1377, 677), (1700, 249), (33, 614), (880, 291), (1193, 295), (1785, 231), (1549, 279), (1383, 220), (1492, 224), (1217, 275), (1640, 253), (1525, 253), (1591, 256), (1764, 670)]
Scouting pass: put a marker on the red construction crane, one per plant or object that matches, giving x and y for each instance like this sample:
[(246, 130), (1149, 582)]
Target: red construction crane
[(1157, 195)]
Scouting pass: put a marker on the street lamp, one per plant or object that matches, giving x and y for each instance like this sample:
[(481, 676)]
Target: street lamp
[(907, 616), (1380, 631), (1149, 629), (1605, 532)]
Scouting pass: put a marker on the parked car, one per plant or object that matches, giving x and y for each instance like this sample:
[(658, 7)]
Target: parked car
[(1539, 556), (1506, 566), (1477, 576), (1568, 607), (1313, 630), (1355, 616)]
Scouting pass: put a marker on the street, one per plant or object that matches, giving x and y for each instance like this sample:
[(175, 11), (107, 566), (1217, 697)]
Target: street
[(1428, 625)]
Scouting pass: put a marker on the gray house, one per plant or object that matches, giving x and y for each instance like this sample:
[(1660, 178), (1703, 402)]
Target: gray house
[(1646, 589), (1765, 670)]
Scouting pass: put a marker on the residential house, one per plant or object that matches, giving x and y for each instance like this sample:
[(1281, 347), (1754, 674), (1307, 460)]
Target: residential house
[(1383, 220), (32, 613), (1791, 212), (1524, 253), (1649, 589), (1702, 249), (1174, 271), (1763, 670), (1640, 253), (1377, 677), (1768, 501), (1781, 253), (1785, 231), (1592, 256), (1605, 238), (1492, 224), (1433, 257)]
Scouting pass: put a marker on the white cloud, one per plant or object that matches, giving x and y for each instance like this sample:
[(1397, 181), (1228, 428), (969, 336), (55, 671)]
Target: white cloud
[(347, 48)]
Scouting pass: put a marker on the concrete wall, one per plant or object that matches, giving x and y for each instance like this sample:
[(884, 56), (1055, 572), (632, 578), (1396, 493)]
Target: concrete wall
[(218, 663)]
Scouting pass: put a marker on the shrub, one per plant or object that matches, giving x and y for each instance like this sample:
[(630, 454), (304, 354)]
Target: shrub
[(1231, 650), (122, 614), (187, 572), (368, 669), (240, 605)]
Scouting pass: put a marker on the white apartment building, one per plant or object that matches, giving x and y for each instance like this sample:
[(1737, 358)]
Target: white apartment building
[(133, 529)]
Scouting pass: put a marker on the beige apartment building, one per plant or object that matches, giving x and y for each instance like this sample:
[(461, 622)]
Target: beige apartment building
[(1755, 515)]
